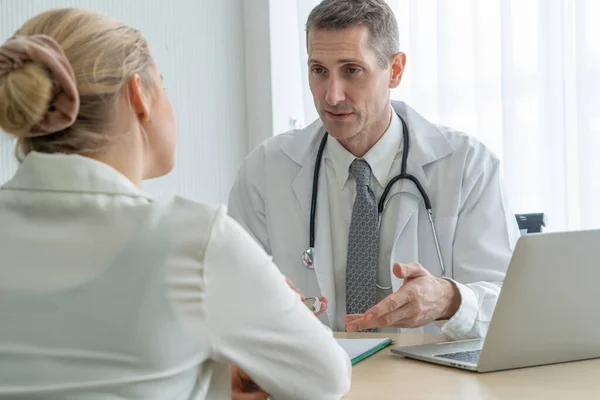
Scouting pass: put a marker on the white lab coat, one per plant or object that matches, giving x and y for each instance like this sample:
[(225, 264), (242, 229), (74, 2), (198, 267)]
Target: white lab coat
[(476, 228)]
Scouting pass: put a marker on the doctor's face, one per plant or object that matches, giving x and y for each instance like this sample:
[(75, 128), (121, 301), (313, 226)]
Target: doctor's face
[(350, 88)]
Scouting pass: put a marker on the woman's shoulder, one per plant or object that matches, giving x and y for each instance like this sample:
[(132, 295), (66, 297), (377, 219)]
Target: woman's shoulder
[(196, 210), (195, 223), (186, 212)]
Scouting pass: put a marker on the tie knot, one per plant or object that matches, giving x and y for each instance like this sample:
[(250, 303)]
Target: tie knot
[(361, 171)]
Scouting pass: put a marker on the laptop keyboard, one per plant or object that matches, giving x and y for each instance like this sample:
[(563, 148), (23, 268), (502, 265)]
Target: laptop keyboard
[(464, 356)]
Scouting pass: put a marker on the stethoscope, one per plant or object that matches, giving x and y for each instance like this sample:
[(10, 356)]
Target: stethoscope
[(308, 257)]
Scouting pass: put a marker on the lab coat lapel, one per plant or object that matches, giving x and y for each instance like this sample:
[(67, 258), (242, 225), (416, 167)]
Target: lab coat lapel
[(401, 207), (302, 187), (303, 150), (323, 246), (400, 215)]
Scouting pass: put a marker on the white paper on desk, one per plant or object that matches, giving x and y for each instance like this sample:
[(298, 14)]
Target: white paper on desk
[(358, 347)]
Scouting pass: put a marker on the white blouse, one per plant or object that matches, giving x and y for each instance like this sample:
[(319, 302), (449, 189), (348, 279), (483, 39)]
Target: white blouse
[(107, 294)]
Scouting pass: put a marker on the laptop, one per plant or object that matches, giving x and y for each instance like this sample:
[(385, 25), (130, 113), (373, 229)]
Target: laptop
[(547, 311)]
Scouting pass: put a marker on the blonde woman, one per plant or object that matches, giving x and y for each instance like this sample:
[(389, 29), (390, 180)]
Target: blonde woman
[(105, 293)]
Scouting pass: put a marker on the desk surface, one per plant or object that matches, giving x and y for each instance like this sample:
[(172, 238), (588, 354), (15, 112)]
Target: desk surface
[(388, 376)]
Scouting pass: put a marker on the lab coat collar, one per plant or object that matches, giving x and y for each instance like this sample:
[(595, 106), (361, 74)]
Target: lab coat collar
[(380, 157), (427, 142), (71, 173)]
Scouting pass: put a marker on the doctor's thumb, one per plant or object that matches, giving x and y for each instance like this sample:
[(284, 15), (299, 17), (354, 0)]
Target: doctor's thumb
[(407, 271)]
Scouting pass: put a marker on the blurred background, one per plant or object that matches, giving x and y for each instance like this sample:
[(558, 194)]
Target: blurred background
[(523, 76)]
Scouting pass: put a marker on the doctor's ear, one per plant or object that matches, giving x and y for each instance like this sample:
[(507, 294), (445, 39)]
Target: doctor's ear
[(139, 97), (398, 62)]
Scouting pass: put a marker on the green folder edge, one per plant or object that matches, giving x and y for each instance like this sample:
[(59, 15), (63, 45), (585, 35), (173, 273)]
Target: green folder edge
[(374, 350)]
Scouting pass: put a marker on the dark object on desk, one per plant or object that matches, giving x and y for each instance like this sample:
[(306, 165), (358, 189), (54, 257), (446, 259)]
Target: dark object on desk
[(531, 223)]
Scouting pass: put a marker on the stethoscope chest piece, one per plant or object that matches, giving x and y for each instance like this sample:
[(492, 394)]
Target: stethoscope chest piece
[(308, 258)]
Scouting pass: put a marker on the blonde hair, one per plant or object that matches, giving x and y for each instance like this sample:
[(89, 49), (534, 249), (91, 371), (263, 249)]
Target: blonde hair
[(103, 52)]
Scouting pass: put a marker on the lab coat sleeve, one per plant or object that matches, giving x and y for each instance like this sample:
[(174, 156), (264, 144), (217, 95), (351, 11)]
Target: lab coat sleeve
[(246, 202), (260, 324), (485, 237)]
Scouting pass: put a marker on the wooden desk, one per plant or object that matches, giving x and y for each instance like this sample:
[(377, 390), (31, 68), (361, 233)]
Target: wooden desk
[(388, 376)]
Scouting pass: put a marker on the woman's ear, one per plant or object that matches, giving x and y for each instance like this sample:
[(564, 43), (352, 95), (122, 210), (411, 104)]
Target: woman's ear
[(140, 101)]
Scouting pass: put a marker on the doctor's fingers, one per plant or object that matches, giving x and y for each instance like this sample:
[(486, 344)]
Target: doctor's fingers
[(391, 303), (324, 303), (409, 271), (351, 317), (396, 318)]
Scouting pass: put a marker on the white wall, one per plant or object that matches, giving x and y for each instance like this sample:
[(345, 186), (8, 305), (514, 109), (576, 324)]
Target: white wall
[(303, 9), (273, 69), (286, 67), (199, 48), (259, 97)]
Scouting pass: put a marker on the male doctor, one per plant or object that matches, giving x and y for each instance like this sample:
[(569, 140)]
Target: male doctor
[(376, 269)]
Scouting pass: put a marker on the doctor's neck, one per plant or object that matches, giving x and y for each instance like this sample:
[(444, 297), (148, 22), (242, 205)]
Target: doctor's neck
[(362, 142)]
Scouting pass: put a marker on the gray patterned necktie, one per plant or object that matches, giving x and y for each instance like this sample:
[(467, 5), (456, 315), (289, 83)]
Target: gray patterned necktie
[(363, 244)]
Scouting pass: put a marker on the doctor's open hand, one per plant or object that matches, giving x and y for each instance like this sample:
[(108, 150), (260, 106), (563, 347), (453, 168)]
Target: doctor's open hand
[(423, 298), (322, 299)]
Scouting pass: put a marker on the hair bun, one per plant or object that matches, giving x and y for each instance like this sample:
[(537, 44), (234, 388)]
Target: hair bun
[(38, 92), (25, 94)]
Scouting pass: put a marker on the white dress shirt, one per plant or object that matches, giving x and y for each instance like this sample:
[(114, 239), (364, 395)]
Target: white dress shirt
[(342, 192), (105, 293)]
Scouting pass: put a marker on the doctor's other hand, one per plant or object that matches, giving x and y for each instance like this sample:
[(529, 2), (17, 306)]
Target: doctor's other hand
[(423, 298), (322, 299), (243, 387)]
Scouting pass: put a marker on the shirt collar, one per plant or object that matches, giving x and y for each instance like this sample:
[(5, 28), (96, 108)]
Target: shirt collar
[(71, 173), (380, 157)]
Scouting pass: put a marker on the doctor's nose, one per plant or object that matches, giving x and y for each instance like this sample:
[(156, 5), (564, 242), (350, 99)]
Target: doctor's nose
[(335, 92)]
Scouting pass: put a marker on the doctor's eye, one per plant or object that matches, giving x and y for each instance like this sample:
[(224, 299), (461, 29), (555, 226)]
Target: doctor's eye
[(353, 70)]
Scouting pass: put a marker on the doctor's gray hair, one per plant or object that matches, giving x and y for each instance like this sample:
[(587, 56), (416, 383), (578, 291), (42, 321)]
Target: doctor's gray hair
[(376, 15)]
